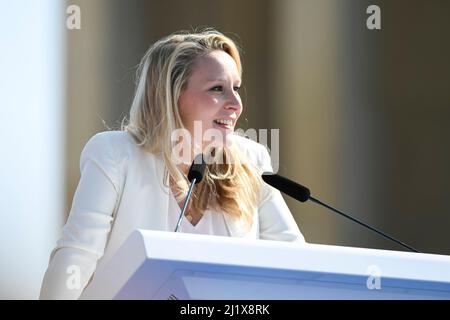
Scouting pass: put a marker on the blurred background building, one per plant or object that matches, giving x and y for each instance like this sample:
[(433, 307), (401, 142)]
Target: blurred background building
[(363, 114)]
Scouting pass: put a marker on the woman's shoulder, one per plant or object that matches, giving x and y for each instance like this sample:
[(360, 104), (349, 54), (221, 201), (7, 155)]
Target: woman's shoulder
[(247, 144), (115, 137), (115, 143), (256, 152)]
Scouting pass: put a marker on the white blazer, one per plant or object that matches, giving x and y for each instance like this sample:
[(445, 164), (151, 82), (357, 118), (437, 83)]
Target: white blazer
[(121, 189)]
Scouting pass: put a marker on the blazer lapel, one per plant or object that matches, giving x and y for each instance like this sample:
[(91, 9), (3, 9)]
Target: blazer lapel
[(160, 196), (237, 227)]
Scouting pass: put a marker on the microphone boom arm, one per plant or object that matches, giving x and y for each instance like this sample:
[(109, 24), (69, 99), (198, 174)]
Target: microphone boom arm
[(363, 224), (185, 203), (302, 194)]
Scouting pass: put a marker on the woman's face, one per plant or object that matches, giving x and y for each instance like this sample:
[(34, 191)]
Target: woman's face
[(211, 96)]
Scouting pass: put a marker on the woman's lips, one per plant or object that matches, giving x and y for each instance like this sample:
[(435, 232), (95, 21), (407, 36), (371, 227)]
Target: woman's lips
[(223, 126)]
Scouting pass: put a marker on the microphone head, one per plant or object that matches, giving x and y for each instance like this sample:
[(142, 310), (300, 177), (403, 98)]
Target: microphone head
[(287, 186), (197, 169)]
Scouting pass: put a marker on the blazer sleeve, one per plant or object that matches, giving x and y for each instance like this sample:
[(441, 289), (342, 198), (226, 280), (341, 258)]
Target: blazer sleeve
[(275, 219), (84, 236)]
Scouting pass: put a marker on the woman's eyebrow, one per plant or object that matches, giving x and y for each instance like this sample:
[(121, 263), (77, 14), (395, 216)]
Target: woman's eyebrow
[(220, 80)]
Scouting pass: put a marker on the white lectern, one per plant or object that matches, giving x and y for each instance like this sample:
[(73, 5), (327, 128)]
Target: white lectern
[(168, 265)]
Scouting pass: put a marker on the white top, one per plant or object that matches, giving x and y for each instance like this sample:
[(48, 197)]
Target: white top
[(122, 189), (212, 222)]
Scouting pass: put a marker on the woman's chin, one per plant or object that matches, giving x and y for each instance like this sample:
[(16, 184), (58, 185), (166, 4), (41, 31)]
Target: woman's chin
[(218, 133)]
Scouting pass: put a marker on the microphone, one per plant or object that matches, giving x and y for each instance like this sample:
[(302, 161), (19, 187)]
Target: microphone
[(302, 194), (195, 175)]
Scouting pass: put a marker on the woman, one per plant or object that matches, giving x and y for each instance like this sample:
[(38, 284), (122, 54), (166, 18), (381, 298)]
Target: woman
[(133, 178)]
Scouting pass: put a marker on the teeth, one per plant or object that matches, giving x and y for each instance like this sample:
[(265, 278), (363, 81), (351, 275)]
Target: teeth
[(223, 121)]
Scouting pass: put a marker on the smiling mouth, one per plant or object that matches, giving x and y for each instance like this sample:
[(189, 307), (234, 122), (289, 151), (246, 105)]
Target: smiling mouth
[(224, 123)]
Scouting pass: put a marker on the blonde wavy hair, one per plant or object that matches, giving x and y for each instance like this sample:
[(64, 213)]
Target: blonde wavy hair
[(232, 187)]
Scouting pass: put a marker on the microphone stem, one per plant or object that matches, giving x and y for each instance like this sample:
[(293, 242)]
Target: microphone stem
[(185, 203), (363, 224)]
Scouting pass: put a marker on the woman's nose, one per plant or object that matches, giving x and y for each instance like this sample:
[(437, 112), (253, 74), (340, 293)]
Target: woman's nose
[(233, 101)]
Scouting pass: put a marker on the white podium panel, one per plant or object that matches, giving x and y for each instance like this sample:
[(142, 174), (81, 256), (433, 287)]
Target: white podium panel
[(168, 265)]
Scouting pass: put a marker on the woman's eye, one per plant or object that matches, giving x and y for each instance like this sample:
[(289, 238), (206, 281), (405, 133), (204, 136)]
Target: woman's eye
[(220, 89), (217, 88)]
